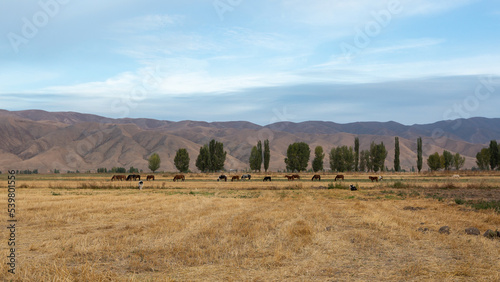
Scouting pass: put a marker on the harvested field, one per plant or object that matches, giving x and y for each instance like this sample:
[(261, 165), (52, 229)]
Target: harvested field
[(85, 227)]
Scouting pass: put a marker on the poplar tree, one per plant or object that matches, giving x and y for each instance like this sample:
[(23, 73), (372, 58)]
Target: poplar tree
[(397, 166), (317, 164), (419, 154), (267, 155), (356, 154)]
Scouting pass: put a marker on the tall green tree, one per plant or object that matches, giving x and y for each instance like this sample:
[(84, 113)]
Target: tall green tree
[(181, 160), (317, 163), (255, 159), (203, 159), (267, 154), (154, 162), (356, 154), (419, 154), (458, 161), (259, 149), (342, 159), (435, 162), (378, 153), (297, 156), (397, 166), (494, 154), (217, 155), (447, 160), (363, 165), (483, 159), (211, 157)]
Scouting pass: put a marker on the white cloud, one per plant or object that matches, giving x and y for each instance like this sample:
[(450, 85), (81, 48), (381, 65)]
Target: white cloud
[(152, 22), (406, 45), (349, 13)]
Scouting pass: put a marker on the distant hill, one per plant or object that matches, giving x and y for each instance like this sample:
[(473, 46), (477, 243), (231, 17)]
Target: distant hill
[(35, 139)]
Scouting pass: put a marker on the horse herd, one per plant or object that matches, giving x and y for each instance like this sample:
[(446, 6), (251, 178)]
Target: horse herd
[(224, 178), (132, 177)]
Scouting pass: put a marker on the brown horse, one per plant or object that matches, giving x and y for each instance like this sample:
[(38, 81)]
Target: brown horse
[(236, 177), (339, 176), (150, 177), (316, 176), (373, 178), (296, 176), (118, 177), (179, 177), (290, 177)]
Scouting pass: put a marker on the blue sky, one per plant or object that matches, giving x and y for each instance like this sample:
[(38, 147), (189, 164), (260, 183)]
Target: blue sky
[(409, 61)]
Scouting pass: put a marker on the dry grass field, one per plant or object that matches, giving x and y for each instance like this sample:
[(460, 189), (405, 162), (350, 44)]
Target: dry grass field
[(83, 227)]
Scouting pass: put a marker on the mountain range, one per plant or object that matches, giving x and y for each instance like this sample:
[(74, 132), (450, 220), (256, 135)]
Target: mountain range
[(69, 141)]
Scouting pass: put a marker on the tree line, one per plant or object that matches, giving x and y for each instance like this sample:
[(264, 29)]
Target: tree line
[(212, 156), (489, 158)]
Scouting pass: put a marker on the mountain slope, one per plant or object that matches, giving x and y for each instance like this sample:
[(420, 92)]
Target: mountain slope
[(72, 141)]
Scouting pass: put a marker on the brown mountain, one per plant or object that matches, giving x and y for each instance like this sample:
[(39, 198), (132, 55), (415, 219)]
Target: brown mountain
[(36, 139)]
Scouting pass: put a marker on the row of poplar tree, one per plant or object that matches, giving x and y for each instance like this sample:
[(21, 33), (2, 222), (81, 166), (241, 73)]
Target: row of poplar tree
[(343, 158), (212, 157)]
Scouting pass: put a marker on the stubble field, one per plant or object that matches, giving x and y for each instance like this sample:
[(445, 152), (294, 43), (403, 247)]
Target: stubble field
[(83, 227)]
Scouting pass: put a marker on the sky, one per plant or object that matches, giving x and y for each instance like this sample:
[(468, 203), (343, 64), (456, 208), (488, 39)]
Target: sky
[(409, 61)]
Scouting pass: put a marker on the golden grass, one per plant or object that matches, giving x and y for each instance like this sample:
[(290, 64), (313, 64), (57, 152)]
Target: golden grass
[(211, 231)]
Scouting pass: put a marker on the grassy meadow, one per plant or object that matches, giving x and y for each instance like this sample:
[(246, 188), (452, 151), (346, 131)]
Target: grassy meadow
[(84, 227)]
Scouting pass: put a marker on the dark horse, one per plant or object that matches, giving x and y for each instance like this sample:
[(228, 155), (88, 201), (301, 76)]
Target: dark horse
[(373, 178), (290, 177), (339, 176), (222, 177), (246, 176), (316, 176), (150, 177), (236, 177), (133, 177), (296, 176), (267, 178), (179, 177)]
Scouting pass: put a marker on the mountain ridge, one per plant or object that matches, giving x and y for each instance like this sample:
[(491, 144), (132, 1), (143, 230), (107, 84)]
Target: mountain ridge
[(37, 139)]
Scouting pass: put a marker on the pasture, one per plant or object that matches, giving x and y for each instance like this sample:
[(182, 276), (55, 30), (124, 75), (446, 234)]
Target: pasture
[(86, 227)]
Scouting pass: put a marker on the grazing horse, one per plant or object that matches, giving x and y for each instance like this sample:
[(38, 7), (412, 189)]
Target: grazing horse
[(372, 178), (339, 176), (353, 188), (150, 177), (246, 176), (296, 176), (316, 176), (236, 177), (222, 177), (267, 178), (290, 177), (133, 177), (179, 177), (118, 177)]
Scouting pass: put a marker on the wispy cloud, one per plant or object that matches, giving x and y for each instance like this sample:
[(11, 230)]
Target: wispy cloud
[(146, 23), (406, 45)]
